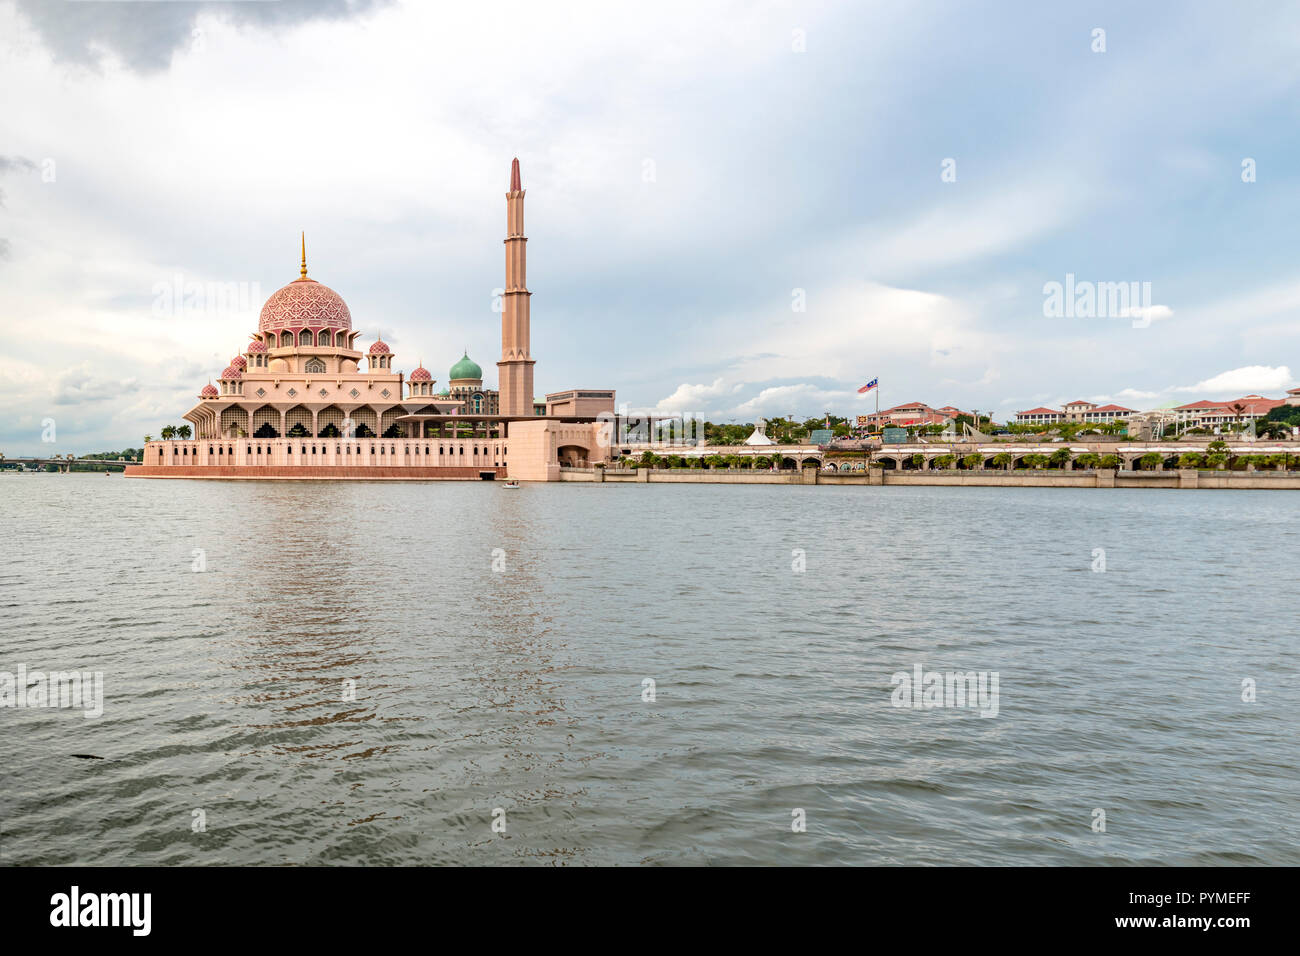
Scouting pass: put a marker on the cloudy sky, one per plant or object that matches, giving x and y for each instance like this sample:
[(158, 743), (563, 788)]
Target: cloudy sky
[(736, 209)]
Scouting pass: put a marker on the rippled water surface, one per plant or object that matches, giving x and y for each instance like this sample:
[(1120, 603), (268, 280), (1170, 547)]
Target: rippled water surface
[(226, 690)]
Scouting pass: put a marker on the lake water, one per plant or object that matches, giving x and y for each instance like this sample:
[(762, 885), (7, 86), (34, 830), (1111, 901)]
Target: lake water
[(231, 733)]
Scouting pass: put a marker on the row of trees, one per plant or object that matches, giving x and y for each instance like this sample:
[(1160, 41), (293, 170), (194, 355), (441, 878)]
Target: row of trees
[(649, 459), (1057, 459), (783, 431), (1069, 430), (1217, 456), (171, 431), (1267, 427)]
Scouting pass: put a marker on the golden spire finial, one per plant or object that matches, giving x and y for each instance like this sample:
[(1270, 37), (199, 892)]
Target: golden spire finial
[(303, 271)]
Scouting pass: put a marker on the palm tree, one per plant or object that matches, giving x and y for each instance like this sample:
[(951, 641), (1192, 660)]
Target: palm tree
[(168, 432), (148, 439), (1271, 429), (973, 462), (1003, 460), (1191, 459), (1060, 457), (1110, 461), (1238, 410), (184, 431), (1152, 461)]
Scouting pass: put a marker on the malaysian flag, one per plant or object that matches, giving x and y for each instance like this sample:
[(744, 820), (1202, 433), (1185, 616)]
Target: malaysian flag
[(869, 386)]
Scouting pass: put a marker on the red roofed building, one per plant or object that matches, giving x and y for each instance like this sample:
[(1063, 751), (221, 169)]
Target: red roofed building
[(1108, 413), (1207, 414), (1039, 416), (1079, 411), (910, 413), (1091, 412)]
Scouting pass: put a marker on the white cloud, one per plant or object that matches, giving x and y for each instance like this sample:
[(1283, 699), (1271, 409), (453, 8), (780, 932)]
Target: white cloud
[(1135, 394), (852, 329), (963, 229), (1250, 379), (799, 400), (695, 398), (1147, 314)]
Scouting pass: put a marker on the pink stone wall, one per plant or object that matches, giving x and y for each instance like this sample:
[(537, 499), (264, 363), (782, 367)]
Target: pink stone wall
[(335, 452), (334, 472)]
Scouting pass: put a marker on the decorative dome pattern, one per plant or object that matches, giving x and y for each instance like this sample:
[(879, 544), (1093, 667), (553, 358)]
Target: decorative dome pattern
[(255, 346), (239, 362), (465, 368), (232, 373), (209, 391), (305, 303), (421, 374), (379, 348)]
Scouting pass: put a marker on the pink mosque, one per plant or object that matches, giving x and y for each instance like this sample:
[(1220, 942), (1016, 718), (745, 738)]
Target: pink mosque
[(296, 403)]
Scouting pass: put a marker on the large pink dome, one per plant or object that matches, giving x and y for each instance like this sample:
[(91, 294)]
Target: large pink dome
[(231, 373), (255, 346), (239, 362), (379, 348), (305, 304), (421, 374)]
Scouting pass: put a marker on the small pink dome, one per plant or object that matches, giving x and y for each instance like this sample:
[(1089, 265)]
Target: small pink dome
[(239, 362), (255, 347), (421, 374), (379, 348), (232, 373), (209, 391)]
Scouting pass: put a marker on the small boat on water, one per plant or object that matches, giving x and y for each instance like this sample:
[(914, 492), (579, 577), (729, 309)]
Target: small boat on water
[(510, 484)]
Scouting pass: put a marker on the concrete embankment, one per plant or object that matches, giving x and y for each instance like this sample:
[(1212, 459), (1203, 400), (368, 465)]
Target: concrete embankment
[(1100, 478)]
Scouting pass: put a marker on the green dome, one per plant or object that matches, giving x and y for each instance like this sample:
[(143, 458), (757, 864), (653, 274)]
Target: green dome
[(465, 368), (445, 391)]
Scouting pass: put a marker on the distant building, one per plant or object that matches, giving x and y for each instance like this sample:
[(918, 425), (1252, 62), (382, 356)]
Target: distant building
[(465, 385), (1039, 416), (912, 414), (582, 402), (1088, 413), (1249, 408), (1108, 413)]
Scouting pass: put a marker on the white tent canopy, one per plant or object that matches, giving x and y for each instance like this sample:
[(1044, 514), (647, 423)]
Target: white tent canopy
[(759, 437)]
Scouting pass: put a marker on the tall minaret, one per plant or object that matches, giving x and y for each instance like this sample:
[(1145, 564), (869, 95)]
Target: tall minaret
[(515, 369)]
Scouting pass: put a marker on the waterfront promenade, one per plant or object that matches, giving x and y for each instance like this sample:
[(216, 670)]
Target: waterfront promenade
[(1078, 478)]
